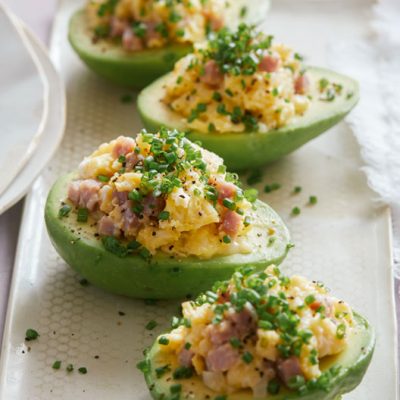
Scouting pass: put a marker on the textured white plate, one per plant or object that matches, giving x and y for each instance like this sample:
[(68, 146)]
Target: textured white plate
[(32, 113), (343, 240), (23, 100)]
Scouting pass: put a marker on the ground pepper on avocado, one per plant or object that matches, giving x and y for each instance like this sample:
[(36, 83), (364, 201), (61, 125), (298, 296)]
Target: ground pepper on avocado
[(161, 192)]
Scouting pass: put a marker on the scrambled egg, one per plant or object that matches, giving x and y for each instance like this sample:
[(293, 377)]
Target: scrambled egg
[(166, 193), (306, 313), (210, 91), (186, 21)]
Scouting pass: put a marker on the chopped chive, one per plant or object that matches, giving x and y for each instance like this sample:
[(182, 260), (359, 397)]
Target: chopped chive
[(266, 325), (309, 299), (64, 211), (228, 203), (297, 189), (151, 325), (182, 373), (296, 211), (56, 365), (273, 386), (163, 216), (82, 370), (121, 159), (163, 340), (235, 342), (341, 331), (247, 357), (126, 98), (84, 282), (188, 345), (211, 127), (221, 169), (226, 239), (83, 215), (143, 366), (175, 388), (69, 368), (254, 177), (31, 334), (313, 200), (251, 195), (103, 178), (160, 371)]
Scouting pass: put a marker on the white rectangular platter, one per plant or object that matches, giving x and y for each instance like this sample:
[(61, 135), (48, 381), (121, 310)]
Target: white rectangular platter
[(344, 240)]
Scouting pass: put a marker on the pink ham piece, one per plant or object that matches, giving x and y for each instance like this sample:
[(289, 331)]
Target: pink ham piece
[(130, 41), (230, 223), (226, 190), (84, 193), (237, 324), (120, 197), (289, 368), (185, 357), (106, 227), (221, 358), (212, 75), (131, 159), (151, 32), (269, 64), (118, 26), (152, 206), (301, 84), (123, 146), (130, 220)]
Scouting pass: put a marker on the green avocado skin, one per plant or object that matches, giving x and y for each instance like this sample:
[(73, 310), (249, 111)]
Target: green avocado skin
[(248, 150), (160, 278), (354, 362), (131, 70)]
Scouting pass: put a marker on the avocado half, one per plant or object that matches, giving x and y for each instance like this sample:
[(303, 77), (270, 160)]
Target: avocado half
[(138, 69), (161, 277), (254, 149), (353, 361)]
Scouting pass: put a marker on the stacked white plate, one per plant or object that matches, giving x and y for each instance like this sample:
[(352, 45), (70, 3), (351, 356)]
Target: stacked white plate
[(32, 109)]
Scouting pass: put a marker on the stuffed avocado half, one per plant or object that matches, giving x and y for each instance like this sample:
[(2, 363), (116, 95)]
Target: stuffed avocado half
[(132, 43), (247, 99), (159, 217), (262, 336)]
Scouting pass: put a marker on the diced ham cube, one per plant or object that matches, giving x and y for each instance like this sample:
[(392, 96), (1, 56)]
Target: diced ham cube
[(130, 41), (84, 193), (152, 206), (120, 197), (301, 84), (212, 75), (289, 368), (185, 357), (123, 146), (221, 358), (118, 26), (226, 190), (106, 227), (230, 223), (269, 63)]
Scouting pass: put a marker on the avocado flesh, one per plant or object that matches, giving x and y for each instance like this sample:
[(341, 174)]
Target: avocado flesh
[(138, 69), (354, 362), (162, 277), (254, 149)]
